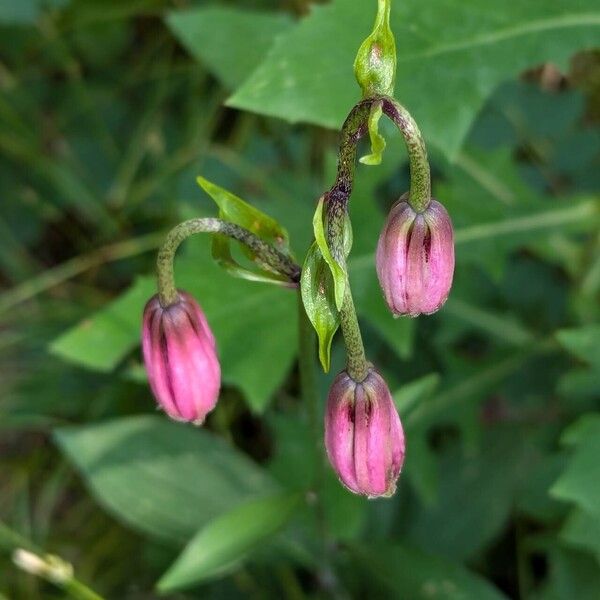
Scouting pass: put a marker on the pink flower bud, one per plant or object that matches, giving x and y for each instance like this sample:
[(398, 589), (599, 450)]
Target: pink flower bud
[(181, 358), (363, 435), (415, 258)]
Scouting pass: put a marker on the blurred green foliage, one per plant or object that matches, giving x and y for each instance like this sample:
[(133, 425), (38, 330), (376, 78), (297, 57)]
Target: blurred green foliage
[(109, 111)]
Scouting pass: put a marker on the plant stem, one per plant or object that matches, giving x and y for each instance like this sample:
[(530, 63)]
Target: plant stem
[(267, 256), (356, 365), (420, 176), (44, 565)]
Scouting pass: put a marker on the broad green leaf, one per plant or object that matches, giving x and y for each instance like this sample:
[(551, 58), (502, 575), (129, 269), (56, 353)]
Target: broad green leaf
[(584, 343), (317, 290), (235, 310), (226, 540), (570, 575), (534, 499), (489, 475), (162, 478), (229, 41), (102, 341), (451, 57), (402, 571), (580, 481), (582, 530), (337, 271)]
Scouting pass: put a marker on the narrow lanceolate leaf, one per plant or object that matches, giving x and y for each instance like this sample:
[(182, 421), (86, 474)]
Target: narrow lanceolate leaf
[(377, 140), (338, 271), (226, 540), (235, 210), (317, 290), (451, 57)]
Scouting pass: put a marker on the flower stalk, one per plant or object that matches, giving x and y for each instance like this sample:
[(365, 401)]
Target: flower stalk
[(267, 256)]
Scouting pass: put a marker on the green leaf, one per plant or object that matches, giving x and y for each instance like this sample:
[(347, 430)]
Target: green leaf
[(101, 342), (582, 530), (235, 210), (419, 390), (451, 57), (162, 478), (226, 540), (377, 140), (338, 271), (241, 213), (25, 12), (580, 481), (407, 572), (489, 475), (235, 310), (316, 285), (247, 34), (584, 343)]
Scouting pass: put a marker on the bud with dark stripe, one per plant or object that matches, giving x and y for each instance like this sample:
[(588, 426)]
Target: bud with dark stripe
[(181, 358), (415, 258), (363, 435)]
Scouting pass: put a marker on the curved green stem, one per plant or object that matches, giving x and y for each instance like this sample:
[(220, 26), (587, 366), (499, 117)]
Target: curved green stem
[(420, 176), (356, 366), (267, 254)]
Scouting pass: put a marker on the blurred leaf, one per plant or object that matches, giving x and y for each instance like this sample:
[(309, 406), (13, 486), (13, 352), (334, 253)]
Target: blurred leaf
[(102, 341), (489, 476), (25, 12), (226, 540), (317, 289), (584, 343), (462, 51), (571, 575), (582, 530), (419, 390), (236, 310), (580, 481), (247, 34), (407, 572), (165, 479), (534, 498), (507, 329)]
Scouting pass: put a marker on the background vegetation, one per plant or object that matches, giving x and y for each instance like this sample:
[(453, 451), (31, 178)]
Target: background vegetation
[(108, 112)]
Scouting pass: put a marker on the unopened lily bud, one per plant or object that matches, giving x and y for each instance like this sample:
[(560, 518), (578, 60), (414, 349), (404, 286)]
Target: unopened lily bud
[(181, 358), (415, 258), (363, 435)]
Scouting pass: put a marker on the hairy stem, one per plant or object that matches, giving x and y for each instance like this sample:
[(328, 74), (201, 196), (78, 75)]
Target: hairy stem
[(356, 365), (268, 256)]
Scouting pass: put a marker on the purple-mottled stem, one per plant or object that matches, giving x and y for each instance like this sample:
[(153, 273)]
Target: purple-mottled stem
[(338, 196), (267, 254)]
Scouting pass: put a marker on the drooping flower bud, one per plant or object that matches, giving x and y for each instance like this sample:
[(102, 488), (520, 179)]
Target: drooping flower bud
[(415, 258), (181, 358), (363, 435)]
